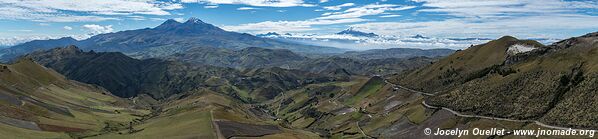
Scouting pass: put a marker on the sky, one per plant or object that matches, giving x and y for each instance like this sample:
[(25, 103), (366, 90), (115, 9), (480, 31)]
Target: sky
[(23, 20)]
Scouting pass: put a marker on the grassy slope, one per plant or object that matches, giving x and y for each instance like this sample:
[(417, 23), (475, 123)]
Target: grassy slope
[(190, 124), (368, 89), (57, 104), (461, 66), (405, 120), (10, 132), (554, 88), (297, 104), (192, 117), (66, 106)]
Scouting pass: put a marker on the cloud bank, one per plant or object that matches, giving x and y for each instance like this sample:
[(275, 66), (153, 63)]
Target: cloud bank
[(88, 10)]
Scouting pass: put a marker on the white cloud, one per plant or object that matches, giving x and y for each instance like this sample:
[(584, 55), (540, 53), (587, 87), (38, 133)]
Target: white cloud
[(98, 29), (322, 1), (157, 19), (68, 28), (136, 17), (259, 3), (247, 8), (462, 19), (44, 24), (15, 40), (15, 13), (390, 15), (11, 41), (494, 18), (20, 30), (79, 10), (502, 8), (351, 15), (339, 7), (552, 26), (288, 26), (179, 19), (371, 9), (210, 6), (380, 42)]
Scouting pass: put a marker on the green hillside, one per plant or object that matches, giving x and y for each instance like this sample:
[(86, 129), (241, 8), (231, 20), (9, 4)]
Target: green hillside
[(37, 102), (551, 84)]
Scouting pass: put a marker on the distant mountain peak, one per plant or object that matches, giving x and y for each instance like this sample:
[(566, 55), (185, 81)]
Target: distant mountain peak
[(170, 23), (419, 36), (593, 34), (73, 47), (191, 26), (508, 38), (63, 39), (269, 34), (194, 20), (67, 38), (352, 31), (272, 33)]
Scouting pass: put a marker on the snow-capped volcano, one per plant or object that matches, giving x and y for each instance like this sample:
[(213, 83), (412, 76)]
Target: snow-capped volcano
[(353, 32), (352, 38)]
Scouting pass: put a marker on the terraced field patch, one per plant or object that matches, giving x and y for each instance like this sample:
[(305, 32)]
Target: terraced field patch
[(235, 129)]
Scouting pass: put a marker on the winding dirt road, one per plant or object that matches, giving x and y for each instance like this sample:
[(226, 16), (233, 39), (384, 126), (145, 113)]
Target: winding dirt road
[(477, 116)]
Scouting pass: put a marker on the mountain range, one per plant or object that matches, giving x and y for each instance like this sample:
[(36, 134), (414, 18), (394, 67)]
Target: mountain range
[(125, 76), (13, 52), (396, 53), (160, 78), (351, 31), (169, 38), (251, 57)]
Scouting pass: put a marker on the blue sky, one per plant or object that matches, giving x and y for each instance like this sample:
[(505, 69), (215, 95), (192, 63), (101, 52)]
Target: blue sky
[(38, 19)]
